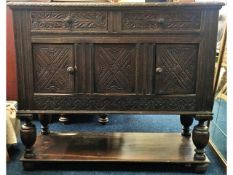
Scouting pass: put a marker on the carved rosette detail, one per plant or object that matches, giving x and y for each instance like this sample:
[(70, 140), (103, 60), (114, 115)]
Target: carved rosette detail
[(152, 20), (113, 103), (66, 20)]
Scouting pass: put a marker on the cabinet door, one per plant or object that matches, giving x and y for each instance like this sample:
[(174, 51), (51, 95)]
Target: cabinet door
[(115, 68), (176, 68), (53, 68)]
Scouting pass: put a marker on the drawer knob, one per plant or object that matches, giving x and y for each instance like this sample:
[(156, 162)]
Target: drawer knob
[(69, 21), (159, 69), (70, 70), (161, 21)]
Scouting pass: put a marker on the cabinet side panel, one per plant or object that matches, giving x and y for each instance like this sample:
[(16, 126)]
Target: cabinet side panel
[(23, 58), (206, 62)]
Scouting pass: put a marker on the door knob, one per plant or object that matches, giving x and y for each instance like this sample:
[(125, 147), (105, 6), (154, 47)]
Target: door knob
[(70, 70), (159, 69)]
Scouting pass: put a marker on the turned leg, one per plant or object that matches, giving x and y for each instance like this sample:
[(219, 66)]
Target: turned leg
[(45, 120), (64, 119), (186, 121), (103, 119), (200, 138), (28, 137)]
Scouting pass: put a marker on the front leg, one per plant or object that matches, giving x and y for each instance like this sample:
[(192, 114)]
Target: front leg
[(28, 137), (45, 120), (200, 137), (186, 121), (64, 119), (103, 119)]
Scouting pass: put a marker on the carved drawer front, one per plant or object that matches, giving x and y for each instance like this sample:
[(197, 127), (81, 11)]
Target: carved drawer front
[(176, 66), (53, 68), (69, 21), (161, 21), (115, 68)]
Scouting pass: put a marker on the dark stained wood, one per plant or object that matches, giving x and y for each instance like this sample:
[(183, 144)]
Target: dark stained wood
[(200, 136), (53, 68), (126, 58), (45, 119), (79, 5), (114, 102), (28, 137), (69, 20), (160, 21), (123, 147), (114, 68), (205, 114), (121, 38), (186, 121), (176, 68)]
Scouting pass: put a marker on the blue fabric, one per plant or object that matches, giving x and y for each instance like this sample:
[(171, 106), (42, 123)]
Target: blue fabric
[(119, 123), (218, 127)]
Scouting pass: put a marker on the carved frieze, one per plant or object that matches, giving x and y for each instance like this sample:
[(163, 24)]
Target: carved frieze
[(121, 103)]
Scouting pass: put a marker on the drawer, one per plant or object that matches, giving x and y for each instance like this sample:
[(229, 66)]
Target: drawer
[(65, 21), (161, 21)]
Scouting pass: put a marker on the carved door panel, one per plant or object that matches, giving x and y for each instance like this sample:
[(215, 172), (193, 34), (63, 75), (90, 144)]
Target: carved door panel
[(53, 68), (115, 68), (176, 66)]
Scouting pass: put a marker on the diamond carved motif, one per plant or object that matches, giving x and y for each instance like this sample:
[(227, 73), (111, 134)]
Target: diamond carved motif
[(50, 68), (115, 68), (178, 63)]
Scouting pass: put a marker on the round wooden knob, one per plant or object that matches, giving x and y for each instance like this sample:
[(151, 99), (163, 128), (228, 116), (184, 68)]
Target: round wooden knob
[(159, 69), (70, 70), (161, 21), (69, 20)]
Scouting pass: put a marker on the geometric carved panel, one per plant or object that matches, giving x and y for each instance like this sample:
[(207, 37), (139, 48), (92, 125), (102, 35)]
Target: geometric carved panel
[(177, 64), (115, 68), (50, 68)]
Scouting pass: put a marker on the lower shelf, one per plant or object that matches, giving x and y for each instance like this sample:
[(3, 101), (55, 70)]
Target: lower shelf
[(113, 147)]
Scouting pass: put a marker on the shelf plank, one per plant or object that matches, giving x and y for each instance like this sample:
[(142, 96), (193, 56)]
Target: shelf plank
[(114, 147)]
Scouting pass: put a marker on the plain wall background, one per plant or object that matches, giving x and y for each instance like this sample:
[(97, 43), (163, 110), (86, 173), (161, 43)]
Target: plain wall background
[(11, 81)]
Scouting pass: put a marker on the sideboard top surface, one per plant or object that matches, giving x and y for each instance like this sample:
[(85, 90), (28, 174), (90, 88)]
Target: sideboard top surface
[(115, 5)]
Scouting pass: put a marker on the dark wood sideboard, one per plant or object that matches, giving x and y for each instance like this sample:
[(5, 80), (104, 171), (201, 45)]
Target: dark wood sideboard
[(115, 58)]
